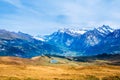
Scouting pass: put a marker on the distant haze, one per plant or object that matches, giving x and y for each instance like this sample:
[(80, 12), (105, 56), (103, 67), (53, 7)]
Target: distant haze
[(46, 16)]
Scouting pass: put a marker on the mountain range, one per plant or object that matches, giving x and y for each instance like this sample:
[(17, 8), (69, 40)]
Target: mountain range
[(64, 42), (86, 42), (23, 45)]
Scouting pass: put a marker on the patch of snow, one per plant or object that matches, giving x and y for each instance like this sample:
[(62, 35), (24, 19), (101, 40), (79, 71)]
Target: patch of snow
[(38, 38), (72, 31), (92, 40), (105, 29), (111, 30), (78, 31), (101, 30), (68, 42)]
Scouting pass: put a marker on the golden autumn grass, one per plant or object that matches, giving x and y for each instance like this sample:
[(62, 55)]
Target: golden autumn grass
[(39, 68)]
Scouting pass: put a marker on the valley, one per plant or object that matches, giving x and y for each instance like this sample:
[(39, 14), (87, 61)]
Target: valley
[(63, 55)]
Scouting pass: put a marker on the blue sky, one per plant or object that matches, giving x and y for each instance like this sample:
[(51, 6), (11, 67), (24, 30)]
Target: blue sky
[(46, 16)]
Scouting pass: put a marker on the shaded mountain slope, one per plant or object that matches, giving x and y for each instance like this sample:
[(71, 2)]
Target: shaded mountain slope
[(23, 45)]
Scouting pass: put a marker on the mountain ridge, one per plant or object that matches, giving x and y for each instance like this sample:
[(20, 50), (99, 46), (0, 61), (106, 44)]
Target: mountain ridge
[(64, 42), (23, 45), (82, 43)]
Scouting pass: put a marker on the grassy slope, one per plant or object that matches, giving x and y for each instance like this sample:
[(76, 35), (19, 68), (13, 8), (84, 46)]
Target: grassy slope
[(39, 68)]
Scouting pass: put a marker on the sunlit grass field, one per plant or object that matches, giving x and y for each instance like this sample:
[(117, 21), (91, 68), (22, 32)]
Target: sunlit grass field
[(40, 68)]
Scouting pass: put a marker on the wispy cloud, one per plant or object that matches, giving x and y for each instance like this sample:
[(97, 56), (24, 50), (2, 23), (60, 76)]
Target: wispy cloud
[(45, 16), (16, 3)]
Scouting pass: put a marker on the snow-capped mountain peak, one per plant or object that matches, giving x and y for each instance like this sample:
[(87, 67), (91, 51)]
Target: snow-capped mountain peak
[(72, 31), (80, 31), (105, 29)]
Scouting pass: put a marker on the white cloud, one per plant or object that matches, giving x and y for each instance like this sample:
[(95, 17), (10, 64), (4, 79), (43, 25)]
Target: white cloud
[(45, 16)]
